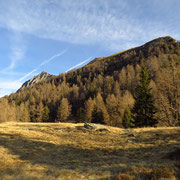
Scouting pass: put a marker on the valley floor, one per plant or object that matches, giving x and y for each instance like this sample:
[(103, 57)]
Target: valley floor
[(60, 151)]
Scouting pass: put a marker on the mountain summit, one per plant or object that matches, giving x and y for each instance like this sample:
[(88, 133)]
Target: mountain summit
[(36, 79)]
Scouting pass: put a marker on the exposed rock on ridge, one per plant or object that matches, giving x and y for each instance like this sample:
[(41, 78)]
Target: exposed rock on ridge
[(36, 79)]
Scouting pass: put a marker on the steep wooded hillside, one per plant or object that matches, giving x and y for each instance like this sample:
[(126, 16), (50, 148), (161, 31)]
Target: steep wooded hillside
[(101, 91)]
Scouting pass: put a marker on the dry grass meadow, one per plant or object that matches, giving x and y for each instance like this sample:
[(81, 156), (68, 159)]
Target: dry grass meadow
[(45, 151)]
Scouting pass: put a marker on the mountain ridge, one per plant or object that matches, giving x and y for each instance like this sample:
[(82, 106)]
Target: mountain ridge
[(45, 76)]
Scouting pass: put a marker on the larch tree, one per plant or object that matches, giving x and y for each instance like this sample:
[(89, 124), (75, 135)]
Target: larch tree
[(64, 110), (22, 113), (100, 114), (39, 112), (89, 107), (80, 115), (45, 115), (123, 79), (113, 110)]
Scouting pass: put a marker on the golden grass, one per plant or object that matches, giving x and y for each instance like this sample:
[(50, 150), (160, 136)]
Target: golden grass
[(59, 151)]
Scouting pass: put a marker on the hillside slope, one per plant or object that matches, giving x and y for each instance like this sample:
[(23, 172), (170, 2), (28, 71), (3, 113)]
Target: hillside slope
[(61, 152), (106, 85)]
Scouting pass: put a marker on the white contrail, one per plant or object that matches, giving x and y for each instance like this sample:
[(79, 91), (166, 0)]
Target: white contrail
[(42, 64), (28, 74), (77, 65)]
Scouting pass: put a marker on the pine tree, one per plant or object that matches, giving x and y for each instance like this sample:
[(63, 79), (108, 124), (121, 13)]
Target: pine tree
[(45, 116), (128, 121), (144, 109)]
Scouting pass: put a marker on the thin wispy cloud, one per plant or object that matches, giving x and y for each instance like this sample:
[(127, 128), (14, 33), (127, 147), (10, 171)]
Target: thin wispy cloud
[(16, 56), (109, 23), (42, 64), (18, 50), (11, 73), (79, 64), (8, 86), (13, 85)]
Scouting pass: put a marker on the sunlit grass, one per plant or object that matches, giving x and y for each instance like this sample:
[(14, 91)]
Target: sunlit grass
[(60, 151)]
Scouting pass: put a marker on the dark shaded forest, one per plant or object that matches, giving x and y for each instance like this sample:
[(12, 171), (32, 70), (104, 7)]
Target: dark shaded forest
[(102, 90)]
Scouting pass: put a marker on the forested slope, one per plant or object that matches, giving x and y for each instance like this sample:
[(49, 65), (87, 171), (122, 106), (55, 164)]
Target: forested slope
[(103, 88)]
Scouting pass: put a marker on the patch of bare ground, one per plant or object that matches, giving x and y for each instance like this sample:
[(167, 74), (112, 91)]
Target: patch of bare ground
[(61, 151)]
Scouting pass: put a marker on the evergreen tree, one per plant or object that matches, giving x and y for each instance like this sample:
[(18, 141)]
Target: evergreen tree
[(45, 116), (128, 121), (144, 109)]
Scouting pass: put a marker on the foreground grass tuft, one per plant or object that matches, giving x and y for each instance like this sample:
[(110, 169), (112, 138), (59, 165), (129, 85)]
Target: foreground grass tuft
[(158, 173), (123, 177)]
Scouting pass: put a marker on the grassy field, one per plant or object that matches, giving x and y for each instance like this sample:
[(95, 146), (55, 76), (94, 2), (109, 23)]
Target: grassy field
[(60, 151)]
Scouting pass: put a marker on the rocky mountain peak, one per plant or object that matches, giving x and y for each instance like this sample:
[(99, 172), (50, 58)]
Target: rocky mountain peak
[(36, 79)]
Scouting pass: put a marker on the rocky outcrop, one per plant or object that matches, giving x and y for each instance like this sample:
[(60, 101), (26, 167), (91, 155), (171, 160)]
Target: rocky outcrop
[(36, 79), (91, 126)]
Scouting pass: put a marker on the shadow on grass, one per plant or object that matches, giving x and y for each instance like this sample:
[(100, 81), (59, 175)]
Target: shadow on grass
[(85, 160)]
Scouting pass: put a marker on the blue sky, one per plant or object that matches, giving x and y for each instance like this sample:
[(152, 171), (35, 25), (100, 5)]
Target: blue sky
[(58, 35)]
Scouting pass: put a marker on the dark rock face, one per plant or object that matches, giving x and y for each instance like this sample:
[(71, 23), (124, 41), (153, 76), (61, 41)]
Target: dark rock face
[(36, 79)]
